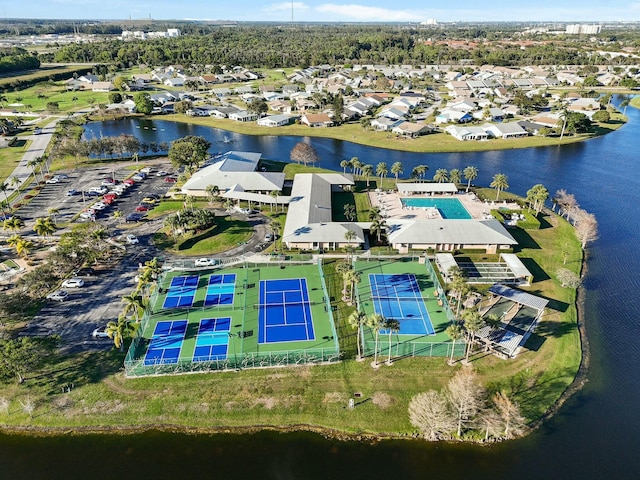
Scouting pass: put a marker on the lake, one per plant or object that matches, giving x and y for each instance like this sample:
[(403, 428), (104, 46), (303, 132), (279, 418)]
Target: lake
[(596, 434)]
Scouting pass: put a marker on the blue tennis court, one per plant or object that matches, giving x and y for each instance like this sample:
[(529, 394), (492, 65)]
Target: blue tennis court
[(220, 290), (181, 292), (398, 296), (212, 341), (284, 311), (166, 343)]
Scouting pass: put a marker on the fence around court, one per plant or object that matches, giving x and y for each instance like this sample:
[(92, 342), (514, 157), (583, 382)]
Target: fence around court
[(138, 367), (413, 348)]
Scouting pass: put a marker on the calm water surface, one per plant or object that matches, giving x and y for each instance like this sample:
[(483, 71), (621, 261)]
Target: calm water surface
[(596, 435)]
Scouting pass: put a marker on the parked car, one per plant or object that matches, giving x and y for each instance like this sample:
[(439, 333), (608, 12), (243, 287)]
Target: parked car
[(100, 332), (151, 200), (129, 181), (62, 176), (58, 296), (146, 170), (53, 180), (84, 272), (101, 190), (134, 217), (206, 262), (73, 283), (170, 179), (142, 208), (132, 239), (73, 193), (137, 177), (91, 193), (162, 173), (268, 237)]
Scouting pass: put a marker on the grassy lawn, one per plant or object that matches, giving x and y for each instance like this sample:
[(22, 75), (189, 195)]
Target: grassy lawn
[(11, 156), (227, 234)]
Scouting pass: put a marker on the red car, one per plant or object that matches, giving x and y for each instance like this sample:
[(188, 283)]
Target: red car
[(142, 208), (129, 181), (170, 179), (108, 200), (110, 196)]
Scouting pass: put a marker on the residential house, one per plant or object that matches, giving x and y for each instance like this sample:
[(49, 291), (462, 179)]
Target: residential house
[(467, 133), (275, 120), (316, 120), (453, 116), (385, 124), (411, 130), (505, 130), (243, 116)]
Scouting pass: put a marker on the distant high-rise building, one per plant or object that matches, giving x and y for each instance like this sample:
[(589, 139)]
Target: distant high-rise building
[(577, 29), (429, 21)]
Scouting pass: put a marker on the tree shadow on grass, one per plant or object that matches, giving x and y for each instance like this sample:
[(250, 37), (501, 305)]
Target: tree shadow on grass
[(538, 273), (524, 240), (555, 329)]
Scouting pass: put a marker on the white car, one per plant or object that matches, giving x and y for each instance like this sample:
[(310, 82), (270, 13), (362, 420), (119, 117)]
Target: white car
[(206, 262), (146, 170), (73, 283), (268, 237), (162, 173), (98, 206), (100, 332), (58, 296), (53, 180), (132, 239)]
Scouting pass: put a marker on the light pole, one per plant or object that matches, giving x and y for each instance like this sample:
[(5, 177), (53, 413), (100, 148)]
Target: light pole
[(244, 258)]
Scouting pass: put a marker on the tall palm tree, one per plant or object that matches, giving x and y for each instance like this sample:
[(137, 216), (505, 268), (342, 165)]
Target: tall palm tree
[(378, 226), (419, 171), (3, 188), (536, 196), (212, 192), (344, 164), (455, 176), (275, 194), (341, 269), (133, 304), (458, 285), (455, 332), (16, 182), (357, 166), (470, 174), (367, 171), (500, 182), (13, 224), (392, 326), (354, 279), (23, 247), (275, 227), (53, 211), (44, 227), (356, 320), (381, 171), (119, 331), (349, 236), (396, 169), (441, 175), (33, 163), (377, 323), (563, 117), (472, 323)]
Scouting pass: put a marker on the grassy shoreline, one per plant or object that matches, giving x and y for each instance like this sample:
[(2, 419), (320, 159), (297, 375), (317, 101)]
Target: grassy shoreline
[(433, 143)]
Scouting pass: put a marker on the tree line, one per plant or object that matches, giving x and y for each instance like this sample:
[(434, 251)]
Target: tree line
[(16, 59), (270, 46)]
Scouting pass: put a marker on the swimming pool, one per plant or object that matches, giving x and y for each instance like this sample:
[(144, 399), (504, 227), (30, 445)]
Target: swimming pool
[(449, 208)]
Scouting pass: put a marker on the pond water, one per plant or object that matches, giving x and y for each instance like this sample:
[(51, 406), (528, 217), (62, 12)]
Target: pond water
[(596, 435)]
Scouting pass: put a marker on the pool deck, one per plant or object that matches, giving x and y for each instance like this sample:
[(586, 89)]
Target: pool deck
[(392, 208)]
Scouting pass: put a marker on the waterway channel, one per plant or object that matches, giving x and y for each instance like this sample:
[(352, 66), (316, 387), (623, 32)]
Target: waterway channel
[(596, 434)]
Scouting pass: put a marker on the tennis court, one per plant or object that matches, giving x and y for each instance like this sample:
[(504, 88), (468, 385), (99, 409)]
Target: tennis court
[(182, 292), (221, 289), (166, 342), (284, 311), (398, 296), (212, 341)]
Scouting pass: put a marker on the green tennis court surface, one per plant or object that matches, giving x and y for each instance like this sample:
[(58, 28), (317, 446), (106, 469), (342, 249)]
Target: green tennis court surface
[(218, 320)]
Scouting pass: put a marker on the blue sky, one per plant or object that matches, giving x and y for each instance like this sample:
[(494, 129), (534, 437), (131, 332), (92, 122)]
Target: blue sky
[(332, 10)]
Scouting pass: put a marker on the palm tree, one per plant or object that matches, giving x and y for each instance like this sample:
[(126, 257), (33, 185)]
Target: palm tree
[(470, 174), (212, 192), (536, 196), (23, 247), (134, 304), (500, 182), (275, 194), (354, 279), (356, 320), (275, 226), (16, 182), (341, 269), (378, 226), (349, 235), (3, 188), (563, 117), (53, 211), (381, 171), (44, 227), (367, 171), (472, 323), (33, 163), (357, 166), (455, 332), (455, 176), (458, 285), (377, 323), (396, 169), (441, 175), (344, 164), (13, 224), (419, 171), (119, 331), (393, 326)]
